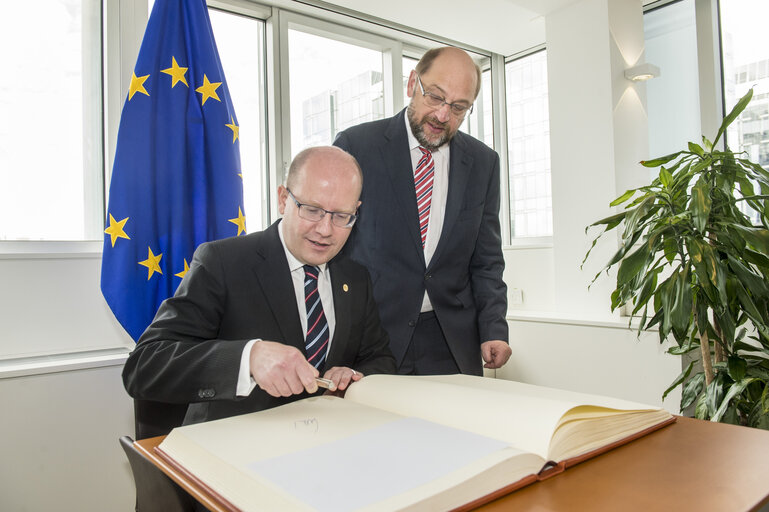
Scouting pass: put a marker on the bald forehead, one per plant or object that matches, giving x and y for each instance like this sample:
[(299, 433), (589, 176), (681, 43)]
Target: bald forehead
[(452, 61), (323, 159)]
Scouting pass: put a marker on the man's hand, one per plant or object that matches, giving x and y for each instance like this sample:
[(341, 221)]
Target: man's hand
[(495, 353), (342, 376), (281, 370)]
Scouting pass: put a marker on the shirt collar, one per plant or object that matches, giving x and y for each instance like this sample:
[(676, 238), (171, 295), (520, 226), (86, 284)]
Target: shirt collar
[(293, 262)]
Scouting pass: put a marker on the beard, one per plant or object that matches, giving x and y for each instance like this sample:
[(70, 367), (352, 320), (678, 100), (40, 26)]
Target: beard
[(417, 128)]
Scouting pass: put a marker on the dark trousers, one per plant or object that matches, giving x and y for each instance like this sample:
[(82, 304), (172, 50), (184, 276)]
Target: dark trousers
[(428, 353)]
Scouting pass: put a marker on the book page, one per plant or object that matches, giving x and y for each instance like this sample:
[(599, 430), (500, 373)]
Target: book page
[(523, 415), (325, 453)]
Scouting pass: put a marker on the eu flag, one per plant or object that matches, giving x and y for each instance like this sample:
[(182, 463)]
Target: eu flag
[(176, 178)]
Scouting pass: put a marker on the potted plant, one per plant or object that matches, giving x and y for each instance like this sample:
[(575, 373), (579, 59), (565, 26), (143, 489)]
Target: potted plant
[(693, 263)]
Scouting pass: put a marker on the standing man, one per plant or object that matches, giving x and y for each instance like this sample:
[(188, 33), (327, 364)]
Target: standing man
[(429, 229), (257, 318)]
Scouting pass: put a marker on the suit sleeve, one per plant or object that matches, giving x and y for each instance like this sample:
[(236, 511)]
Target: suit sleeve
[(487, 265), (179, 359)]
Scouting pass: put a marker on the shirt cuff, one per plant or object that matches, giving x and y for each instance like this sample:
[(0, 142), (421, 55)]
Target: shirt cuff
[(246, 382)]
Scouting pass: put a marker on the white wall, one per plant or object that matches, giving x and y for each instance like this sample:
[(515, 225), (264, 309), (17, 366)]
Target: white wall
[(564, 335), (59, 440)]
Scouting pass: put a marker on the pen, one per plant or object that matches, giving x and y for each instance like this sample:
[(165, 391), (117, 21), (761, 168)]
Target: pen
[(325, 383)]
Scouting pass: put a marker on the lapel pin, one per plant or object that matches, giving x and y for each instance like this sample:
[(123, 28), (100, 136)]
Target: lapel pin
[(345, 287)]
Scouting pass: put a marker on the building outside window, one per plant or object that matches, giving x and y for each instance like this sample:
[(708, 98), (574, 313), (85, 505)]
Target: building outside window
[(528, 132), (745, 58)]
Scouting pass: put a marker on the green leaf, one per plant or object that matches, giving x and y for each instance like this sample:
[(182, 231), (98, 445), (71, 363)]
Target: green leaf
[(665, 177), (612, 221), (694, 148), (700, 204), (715, 393), (682, 304), (755, 283), (660, 161), (701, 411), (734, 390), (681, 377), (736, 111), (670, 247), (737, 368), (624, 197), (692, 389), (632, 265), (758, 238)]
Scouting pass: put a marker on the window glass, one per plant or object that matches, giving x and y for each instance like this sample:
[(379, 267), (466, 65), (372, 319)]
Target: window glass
[(480, 124), (408, 66), (240, 41), (745, 54), (672, 99), (333, 86), (528, 132), (50, 120)]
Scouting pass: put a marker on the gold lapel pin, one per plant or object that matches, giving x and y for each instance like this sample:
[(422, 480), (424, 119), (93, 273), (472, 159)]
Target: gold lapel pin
[(345, 287)]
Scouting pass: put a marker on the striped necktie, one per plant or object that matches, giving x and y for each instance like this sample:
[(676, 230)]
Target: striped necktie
[(316, 341), (423, 182)]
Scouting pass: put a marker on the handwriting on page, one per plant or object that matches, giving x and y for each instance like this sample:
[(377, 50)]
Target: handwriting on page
[(309, 425)]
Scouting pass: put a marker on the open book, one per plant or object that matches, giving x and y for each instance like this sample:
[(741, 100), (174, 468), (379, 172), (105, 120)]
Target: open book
[(402, 443)]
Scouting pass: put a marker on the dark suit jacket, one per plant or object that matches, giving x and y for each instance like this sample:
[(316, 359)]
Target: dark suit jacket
[(464, 279), (239, 289)]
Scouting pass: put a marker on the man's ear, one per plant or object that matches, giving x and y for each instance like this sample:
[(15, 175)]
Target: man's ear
[(282, 197), (411, 84)]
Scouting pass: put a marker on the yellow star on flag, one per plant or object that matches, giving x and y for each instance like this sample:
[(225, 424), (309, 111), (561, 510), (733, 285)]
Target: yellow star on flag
[(152, 263), (177, 73), (208, 89), (239, 221), (137, 85), (186, 268), (235, 129), (115, 229)]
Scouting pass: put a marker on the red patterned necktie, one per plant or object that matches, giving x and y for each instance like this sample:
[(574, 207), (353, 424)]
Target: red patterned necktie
[(316, 341), (423, 181)]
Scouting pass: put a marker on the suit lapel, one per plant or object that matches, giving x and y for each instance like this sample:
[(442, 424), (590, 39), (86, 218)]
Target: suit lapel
[(340, 289), (460, 163), (272, 272), (397, 158)]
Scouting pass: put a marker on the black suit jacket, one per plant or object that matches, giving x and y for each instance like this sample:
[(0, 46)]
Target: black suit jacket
[(238, 289), (464, 278)]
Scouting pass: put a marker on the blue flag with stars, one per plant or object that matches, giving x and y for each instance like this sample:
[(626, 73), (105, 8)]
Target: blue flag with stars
[(176, 178)]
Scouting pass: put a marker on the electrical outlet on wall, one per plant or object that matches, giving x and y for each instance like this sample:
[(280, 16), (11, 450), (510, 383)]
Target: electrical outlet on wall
[(516, 296)]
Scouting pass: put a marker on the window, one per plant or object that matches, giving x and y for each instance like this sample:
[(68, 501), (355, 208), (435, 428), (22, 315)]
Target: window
[(333, 86), (240, 41), (50, 121), (673, 106), (745, 54), (528, 133)]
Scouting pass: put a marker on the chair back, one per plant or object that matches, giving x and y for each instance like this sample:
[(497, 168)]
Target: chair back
[(155, 491), (157, 418)]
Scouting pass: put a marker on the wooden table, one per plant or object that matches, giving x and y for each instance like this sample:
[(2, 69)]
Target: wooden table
[(690, 465)]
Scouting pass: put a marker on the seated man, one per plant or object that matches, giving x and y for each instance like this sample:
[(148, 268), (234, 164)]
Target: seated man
[(272, 310)]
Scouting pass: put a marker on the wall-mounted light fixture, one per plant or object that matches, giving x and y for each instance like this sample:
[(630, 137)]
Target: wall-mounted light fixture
[(642, 72)]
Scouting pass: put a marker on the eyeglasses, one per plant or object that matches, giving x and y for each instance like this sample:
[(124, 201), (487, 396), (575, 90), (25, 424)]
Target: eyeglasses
[(435, 101), (315, 213)]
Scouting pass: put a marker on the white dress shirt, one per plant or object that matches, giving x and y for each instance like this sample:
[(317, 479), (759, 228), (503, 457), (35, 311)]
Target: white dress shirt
[(246, 382), (438, 202)]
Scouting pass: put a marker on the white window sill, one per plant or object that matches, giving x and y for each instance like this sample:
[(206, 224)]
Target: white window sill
[(27, 249), (54, 363), (553, 317)]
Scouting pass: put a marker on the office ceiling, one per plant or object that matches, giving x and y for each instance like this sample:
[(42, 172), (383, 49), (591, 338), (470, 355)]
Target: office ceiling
[(502, 26)]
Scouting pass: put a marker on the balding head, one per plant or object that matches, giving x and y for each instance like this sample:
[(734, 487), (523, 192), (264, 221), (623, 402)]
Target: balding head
[(323, 186)]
